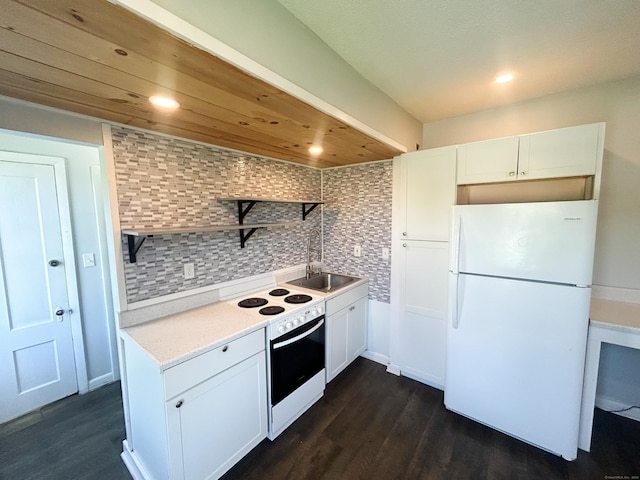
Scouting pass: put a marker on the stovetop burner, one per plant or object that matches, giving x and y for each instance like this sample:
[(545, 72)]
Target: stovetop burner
[(252, 302), (271, 310), (279, 292), (298, 298)]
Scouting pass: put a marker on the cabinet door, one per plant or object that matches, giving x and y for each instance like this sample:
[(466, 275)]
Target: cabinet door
[(213, 425), (565, 152), (337, 343), (488, 161), (429, 191), (357, 328), (423, 311)]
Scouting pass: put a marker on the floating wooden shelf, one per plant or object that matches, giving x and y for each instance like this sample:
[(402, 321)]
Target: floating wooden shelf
[(135, 238), (307, 205)]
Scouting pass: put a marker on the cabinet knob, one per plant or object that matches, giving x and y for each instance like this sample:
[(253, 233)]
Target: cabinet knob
[(225, 348), (404, 244), (54, 263), (523, 173), (352, 308), (404, 234), (511, 174), (179, 403)]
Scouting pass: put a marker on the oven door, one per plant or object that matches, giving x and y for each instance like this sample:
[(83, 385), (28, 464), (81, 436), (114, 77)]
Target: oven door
[(296, 357)]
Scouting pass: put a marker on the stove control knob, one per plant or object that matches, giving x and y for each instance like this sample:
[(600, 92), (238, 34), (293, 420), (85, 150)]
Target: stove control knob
[(281, 329), (288, 326), (296, 322), (320, 309), (302, 319)]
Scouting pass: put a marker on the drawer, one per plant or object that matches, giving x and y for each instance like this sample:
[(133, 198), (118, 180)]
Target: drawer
[(198, 369), (347, 298)]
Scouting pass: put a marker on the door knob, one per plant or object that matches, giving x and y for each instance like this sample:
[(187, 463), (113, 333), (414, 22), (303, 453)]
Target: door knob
[(59, 313), (54, 263)]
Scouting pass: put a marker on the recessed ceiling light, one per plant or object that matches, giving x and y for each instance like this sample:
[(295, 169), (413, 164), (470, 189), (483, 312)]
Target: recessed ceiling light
[(315, 150), (163, 102), (507, 77)]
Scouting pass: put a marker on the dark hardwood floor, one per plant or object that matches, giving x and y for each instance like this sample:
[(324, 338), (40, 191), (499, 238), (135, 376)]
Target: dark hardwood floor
[(373, 425), (79, 437), (369, 425)]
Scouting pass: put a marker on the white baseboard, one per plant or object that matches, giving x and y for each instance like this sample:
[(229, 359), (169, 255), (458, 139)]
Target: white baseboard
[(101, 380), (376, 357), (418, 377), (393, 369), (608, 405), (135, 469)]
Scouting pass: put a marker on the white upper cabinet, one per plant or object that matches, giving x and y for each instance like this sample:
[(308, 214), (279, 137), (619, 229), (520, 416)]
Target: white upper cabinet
[(488, 161), (427, 180), (566, 152)]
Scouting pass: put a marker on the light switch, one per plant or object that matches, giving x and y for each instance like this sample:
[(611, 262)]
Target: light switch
[(88, 260)]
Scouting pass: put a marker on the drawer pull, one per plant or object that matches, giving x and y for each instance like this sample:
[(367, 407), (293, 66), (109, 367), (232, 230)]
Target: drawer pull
[(352, 308), (225, 348), (179, 404)]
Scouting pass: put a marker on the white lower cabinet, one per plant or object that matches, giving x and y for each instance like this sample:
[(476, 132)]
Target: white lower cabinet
[(197, 419), (346, 317), (420, 310)]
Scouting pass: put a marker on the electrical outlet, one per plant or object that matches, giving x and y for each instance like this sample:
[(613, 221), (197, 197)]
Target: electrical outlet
[(385, 254), (189, 271), (357, 251)]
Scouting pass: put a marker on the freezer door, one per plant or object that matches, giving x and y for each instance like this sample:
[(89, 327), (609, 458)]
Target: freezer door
[(515, 359), (546, 241)]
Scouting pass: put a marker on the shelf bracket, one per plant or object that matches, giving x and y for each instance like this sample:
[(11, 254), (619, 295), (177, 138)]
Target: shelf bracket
[(134, 245), (306, 211), (244, 238), (242, 211)]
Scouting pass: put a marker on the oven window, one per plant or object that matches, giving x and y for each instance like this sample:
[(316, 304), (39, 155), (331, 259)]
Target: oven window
[(293, 364)]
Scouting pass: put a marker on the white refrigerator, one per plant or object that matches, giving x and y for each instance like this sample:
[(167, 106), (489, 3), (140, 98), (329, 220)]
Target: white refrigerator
[(520, 278)]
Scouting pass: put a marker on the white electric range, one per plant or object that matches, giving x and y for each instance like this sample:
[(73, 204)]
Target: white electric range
[(296, 351)]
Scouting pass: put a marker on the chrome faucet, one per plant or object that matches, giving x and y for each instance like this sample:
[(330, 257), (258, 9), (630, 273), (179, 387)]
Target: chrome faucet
[(310, 270)]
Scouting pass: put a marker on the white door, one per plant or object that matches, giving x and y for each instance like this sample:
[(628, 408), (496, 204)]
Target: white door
[(430, 190), (423, 318), (488, 161), (37, 363), (565, 152)]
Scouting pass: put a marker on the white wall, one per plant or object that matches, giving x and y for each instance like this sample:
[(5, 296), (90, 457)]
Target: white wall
[(83, 166), (617, 258), (266, 32)]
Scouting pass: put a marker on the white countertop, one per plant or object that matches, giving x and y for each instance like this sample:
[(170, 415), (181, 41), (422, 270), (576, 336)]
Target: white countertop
[(615, 315), (174, 339), (179, 337)]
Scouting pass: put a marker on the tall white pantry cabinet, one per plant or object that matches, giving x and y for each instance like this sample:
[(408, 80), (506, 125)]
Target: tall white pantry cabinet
[(424, 190)]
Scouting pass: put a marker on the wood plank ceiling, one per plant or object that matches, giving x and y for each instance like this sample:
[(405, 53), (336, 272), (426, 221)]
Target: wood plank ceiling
[(98, 59)]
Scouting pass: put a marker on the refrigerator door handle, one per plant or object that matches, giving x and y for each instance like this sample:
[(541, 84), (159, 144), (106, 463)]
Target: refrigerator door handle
[(453, 299), (455, 251)]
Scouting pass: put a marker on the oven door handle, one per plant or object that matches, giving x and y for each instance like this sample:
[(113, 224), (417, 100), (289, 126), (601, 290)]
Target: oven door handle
[(295, 339)]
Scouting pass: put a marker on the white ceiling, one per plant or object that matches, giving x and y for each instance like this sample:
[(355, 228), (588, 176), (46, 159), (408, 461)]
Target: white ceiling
[(439, 58)]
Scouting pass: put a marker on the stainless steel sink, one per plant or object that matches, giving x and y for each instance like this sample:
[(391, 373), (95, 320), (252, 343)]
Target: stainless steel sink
[(323, 282)]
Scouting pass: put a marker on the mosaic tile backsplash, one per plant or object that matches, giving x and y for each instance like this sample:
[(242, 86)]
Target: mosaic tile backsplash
[(165, 182), (357, 211)]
